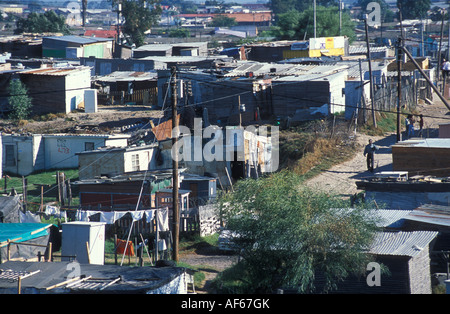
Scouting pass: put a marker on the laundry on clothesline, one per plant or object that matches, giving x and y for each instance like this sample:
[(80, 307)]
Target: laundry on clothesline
[(55, 211), (122, 244), (112, 217)]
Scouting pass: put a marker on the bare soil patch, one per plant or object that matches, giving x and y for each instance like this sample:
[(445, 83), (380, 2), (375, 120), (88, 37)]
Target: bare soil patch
[(108, 119)]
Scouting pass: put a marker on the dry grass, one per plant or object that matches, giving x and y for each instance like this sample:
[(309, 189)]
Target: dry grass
[(316, 147)]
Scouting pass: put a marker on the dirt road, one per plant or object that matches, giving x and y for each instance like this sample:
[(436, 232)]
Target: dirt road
[(341, 178)]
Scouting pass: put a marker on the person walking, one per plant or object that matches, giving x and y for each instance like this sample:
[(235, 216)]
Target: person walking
[(369, 152)]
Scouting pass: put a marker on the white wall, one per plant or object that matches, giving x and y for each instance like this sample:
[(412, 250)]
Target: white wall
[(147, 160), (28, 153), (76, 83)]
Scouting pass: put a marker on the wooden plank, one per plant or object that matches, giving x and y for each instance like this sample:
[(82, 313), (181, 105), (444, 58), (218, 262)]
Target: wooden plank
[(63, 283)]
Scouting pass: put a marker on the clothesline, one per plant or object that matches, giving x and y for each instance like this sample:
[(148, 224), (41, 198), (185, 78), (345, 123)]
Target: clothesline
[(113, 216)]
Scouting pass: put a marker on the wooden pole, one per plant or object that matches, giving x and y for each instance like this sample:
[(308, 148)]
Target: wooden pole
[(24, 193), (436, 90), (20, 278), (399, 87), (176, 217), (115, 249), (372, 93), (42, 199), (88, 252), (49, 253)]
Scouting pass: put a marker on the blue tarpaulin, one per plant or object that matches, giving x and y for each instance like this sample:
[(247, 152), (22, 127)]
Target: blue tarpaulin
[(20, 232)]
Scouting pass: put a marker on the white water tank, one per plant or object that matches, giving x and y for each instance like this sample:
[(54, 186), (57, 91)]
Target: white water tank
[(85, 241)]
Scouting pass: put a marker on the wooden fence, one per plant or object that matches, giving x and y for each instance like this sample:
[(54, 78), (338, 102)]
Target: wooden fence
[(146, 97)]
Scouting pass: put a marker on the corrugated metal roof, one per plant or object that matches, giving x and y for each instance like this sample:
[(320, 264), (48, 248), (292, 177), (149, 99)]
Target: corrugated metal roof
[(431, 214), (427, 142), (430, 218), (390, 217), (79, 39), (402, 243), (56, 71), (154, 47), (128, 76), (280, 69), (363, 49)]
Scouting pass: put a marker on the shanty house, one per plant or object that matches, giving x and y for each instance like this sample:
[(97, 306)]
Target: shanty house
[(123, 189), (397, 191), (406, 255), (194, 49), (24, 154), (59, 89), (255, 90), (432, 217), (105, 66), (112, 161), (430, 156), (203, 188), (244, 154), (59, 278), (77, 46), (128, 86)]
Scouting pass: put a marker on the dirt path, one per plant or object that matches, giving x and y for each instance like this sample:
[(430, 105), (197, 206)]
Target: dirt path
[(211, 262), (341, 178)]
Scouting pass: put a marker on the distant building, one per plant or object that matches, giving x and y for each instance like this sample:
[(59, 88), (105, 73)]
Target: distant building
[(193, 49), (77, 46)]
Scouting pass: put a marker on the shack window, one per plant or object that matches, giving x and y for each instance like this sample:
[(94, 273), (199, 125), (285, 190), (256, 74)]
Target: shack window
[(89, 146), (135, 162), (9, 155)]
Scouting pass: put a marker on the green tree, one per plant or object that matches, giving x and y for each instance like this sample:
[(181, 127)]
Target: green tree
[(289, 234), (223, 21), (288, 25), (48, 22), (140, 16), (18, 100), (414, 9), (300, 25), (179, 33)]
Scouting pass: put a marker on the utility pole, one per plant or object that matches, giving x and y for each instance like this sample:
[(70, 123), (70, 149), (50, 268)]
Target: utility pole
[(315, 22), (340, 17), (372, 93), (119, 14), (176, 215), (84, 8), (399, 85), (440, 46)]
